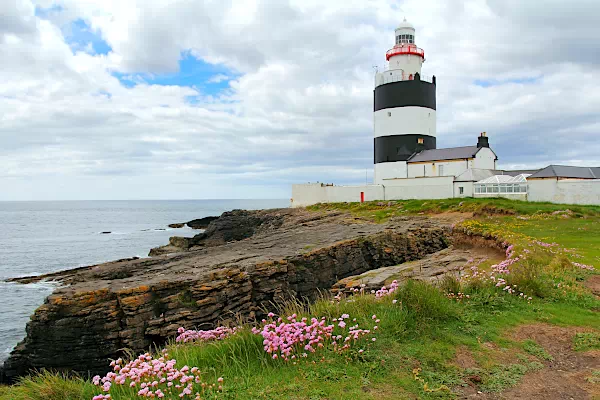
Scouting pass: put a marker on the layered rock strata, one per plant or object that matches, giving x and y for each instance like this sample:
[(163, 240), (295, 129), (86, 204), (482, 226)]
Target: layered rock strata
[(432, 268), (134, 304)]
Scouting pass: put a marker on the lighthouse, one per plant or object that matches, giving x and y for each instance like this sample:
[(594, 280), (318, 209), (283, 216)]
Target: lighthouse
[(404, 108)]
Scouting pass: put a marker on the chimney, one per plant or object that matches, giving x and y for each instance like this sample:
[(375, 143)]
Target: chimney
[(483, 140)]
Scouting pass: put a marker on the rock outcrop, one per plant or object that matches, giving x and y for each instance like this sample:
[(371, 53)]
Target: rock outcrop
[(431, 269), (229, 227), (248, 261), (201, 223)]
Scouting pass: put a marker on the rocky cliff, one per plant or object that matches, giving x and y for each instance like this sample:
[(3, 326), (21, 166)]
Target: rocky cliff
[(243, 264), (229, 227)]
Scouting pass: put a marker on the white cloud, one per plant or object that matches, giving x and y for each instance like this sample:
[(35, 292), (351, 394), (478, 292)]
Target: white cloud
[(218, 78), (299, 103)]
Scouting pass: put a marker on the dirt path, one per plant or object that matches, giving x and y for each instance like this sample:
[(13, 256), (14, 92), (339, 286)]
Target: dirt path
[(566, 377)]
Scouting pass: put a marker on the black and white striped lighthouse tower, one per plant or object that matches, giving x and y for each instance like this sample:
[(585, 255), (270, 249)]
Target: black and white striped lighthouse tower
[(404, 120)]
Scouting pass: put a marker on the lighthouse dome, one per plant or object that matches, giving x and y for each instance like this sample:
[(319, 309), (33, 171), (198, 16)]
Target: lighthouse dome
[(405, 25)]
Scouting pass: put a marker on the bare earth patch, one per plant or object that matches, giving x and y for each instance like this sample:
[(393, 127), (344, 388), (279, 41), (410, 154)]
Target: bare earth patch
[(452, 217), (464, 358), (593, 283), (562, 378)]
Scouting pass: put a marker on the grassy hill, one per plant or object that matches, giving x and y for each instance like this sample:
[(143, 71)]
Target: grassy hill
[(487, 329)]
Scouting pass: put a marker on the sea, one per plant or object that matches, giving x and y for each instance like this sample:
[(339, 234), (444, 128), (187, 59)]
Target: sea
[(48, 236)]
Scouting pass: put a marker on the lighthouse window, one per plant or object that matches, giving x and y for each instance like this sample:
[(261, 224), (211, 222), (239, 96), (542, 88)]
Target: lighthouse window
[(405, 39)]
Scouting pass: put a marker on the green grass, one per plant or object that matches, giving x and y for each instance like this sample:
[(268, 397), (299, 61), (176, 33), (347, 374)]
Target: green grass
[(586, 341), (583, 235), (423, 332), (49, 386), (418, 337), (382, 210), (536, 350)]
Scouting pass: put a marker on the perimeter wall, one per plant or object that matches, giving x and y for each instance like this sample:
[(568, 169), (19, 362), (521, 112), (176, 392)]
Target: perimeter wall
[(395, 189), (565, 191)]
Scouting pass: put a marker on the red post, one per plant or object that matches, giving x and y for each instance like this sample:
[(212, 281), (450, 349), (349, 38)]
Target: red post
[(362, 197)]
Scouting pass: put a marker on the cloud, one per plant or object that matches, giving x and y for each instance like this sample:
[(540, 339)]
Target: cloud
[(17, 18), (290, 98), (218, 78)]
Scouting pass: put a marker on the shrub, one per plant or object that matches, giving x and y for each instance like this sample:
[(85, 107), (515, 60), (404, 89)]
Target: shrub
[(425, 303), (450, 284), (530, 278)]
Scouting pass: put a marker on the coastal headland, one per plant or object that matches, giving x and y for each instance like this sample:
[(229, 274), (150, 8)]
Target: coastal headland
[(240, 267), (454, 298)]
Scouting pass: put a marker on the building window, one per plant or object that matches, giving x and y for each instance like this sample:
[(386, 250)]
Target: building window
[(441, 169), (420, 140), (461, 190)]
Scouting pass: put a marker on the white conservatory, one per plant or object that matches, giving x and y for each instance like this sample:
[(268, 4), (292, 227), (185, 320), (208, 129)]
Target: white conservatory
[(514, 187)]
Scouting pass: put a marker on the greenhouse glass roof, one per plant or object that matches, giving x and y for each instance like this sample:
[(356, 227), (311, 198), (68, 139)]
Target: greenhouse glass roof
[(521, 178)]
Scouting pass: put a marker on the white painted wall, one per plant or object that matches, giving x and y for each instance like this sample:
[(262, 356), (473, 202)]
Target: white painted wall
[(405, 120), (389, 170), (449, 168), (409, 63), (485, 159), (395, 75), (313, 193), (395, 189), (567, 191), (551, 190), (467, 189), (423, 188)]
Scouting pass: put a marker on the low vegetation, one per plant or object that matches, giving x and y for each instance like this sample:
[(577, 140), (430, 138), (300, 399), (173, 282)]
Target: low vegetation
[(382, 210), (405, 341)]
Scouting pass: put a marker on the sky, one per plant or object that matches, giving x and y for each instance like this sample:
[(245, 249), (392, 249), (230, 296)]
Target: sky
[(191, 99)]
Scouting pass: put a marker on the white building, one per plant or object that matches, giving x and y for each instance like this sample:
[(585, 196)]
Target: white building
[(565, 184), (408, 164)]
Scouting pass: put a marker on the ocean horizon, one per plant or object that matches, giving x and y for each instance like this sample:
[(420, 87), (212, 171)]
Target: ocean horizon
[(39, 237)]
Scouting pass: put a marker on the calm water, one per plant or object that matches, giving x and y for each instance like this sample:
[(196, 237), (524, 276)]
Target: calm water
[(42, 237)]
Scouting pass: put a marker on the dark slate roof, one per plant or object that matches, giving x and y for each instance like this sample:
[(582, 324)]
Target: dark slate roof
[(454, 153), (565, 171)]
